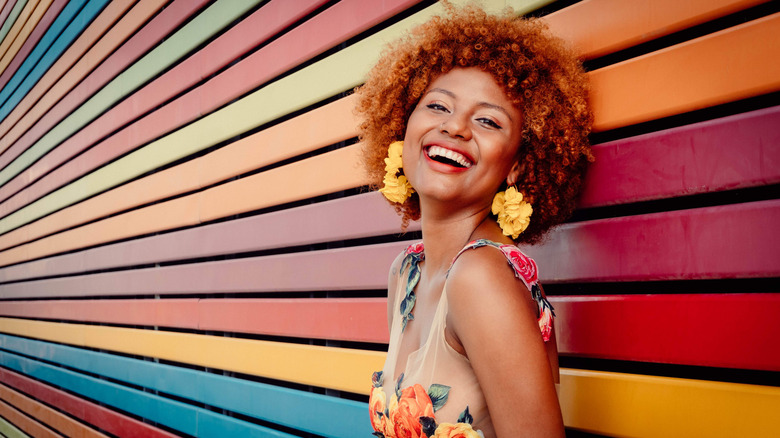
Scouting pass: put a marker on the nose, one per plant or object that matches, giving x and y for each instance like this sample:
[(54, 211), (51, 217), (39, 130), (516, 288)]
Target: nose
[(456, 126)]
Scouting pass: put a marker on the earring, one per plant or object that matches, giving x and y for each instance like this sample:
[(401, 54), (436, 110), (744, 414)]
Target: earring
[(514, 214), (396, 188)]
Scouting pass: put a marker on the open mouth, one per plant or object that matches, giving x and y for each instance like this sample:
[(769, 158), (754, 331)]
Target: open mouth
[(449, 157)]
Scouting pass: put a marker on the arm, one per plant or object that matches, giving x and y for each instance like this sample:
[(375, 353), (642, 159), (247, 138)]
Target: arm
[(493, 318)]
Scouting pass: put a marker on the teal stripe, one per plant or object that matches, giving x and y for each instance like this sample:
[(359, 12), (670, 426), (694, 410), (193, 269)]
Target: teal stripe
[(180, 416), (324, 415), (61, 29), (11, 19)]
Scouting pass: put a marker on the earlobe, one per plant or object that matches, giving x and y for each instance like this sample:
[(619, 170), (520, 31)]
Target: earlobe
[(514, 173)]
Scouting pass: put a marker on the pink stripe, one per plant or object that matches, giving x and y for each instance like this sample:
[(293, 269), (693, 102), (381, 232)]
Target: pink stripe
[(332, 26), (721, 154), (687, 244), (349, 319)]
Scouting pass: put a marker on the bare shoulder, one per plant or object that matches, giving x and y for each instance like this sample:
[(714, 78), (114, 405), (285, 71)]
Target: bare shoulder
[(481, 279)]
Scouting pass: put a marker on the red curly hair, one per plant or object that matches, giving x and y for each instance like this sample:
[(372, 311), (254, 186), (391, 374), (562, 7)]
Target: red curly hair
[(539, 75)]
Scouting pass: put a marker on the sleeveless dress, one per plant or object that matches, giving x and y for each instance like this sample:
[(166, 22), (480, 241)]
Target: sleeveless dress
[(436, 393)]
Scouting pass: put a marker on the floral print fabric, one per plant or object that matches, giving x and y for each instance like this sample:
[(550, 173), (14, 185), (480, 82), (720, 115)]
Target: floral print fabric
[(411, 408)]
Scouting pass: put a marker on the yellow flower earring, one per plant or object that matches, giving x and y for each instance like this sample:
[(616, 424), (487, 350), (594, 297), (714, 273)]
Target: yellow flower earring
[(397, 188), (514, 214)]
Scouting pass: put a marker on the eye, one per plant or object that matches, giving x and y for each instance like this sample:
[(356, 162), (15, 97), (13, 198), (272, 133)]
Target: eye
[(437, 107), (489, 122)]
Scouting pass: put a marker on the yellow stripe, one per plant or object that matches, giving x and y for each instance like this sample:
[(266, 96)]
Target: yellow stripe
[(632, 405), (337, 368)]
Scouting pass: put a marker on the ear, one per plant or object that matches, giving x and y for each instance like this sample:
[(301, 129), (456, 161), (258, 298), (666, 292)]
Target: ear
[(514, 173)]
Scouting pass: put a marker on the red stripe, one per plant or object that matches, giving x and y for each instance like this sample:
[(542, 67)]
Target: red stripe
[(721, 154), (98, 416), (717, 330), (332, 26), (32, 40)]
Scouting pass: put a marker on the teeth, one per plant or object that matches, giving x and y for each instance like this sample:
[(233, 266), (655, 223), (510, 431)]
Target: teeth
[(438, 151)]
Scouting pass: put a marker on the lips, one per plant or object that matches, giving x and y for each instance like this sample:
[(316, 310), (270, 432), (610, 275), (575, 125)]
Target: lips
[(448, 156)]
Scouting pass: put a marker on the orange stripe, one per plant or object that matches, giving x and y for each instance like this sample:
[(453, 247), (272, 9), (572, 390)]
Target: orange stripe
[(732, 64), (599, 27), (15, 30), (47, 415), (27, 425)]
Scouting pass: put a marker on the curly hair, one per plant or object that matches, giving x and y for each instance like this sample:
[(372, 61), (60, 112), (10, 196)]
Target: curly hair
[(539, 75)]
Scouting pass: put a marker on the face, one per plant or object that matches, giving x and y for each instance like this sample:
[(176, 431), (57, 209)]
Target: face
[(462, 139)]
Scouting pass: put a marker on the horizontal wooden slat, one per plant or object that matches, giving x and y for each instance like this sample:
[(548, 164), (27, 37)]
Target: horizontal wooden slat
[(187, 140), (721, 154), (31, 69), (196, 31), (279, 229), (30, 11), (98, 41), (599, 27), (315, 129), (48, 416), (339, 269), (696, 74), (704, 330), (21, 425), (10, 48), (349, 319), (701, 330), (35, 36), (7, 429), (232, 44), (99, 416), (334, 25), (311, 177), (678, 245), (615, 404), (328, 367), (725, 153), (179, 416), (326, 415), (659, 246)]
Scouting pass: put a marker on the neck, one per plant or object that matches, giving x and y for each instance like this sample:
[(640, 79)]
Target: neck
[(445, 233)]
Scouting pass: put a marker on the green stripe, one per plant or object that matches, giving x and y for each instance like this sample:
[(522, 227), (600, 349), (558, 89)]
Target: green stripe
[(339, 72), (10, 431), (9, 21)]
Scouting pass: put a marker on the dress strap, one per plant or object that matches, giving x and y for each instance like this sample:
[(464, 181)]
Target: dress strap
[(525, 269)]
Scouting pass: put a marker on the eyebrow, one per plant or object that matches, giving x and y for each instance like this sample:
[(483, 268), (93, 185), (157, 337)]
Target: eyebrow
[(482, 104)]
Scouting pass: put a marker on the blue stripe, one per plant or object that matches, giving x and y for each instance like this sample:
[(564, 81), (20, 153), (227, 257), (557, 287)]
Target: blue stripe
[(315, 413), (176, 415), (48, 50)]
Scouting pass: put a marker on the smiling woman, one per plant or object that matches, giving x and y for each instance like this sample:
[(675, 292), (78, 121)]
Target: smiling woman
[(477, 126)]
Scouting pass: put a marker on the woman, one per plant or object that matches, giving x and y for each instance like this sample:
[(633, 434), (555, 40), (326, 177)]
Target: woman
[(477, 126)]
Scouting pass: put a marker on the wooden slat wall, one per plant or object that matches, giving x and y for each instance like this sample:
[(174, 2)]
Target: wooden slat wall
[(186, 247)]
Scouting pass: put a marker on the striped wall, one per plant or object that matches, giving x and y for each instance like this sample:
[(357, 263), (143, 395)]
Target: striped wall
[(187, 247)]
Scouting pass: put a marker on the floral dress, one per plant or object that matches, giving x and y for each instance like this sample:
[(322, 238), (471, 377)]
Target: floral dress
[(435, 393)]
